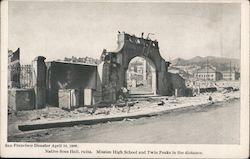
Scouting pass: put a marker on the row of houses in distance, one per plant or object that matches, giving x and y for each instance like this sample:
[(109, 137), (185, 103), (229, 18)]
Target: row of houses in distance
[(209, 73)]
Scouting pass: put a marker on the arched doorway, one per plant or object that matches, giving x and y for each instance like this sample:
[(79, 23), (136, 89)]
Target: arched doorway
[(141, 76), (116, 64)]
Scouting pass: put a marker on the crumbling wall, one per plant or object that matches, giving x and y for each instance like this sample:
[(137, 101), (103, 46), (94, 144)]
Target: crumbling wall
[(20, 99), (175, 85), (111, 75), (14, 69), (62, 75), (116, 64)]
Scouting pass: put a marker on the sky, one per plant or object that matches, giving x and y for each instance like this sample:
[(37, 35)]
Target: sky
[(64, 29)]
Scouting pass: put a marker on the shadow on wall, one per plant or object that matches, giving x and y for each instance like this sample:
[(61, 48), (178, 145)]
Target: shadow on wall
[(69, 76), (176, 85)]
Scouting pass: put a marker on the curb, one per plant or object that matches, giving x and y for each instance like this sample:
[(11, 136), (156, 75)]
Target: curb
[(29, 127), (61, 123), (57, 124)]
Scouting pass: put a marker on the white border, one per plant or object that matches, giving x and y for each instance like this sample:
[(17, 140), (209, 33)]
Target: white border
[(208, 150), (4, 68)]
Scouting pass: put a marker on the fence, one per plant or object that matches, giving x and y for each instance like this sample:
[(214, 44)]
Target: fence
[(26, 76), (22, 75)]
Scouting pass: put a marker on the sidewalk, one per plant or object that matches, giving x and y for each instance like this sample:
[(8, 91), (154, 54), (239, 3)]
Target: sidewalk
[(55, 117)]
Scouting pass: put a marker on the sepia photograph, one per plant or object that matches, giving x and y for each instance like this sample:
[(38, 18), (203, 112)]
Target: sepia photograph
[(116, 72)]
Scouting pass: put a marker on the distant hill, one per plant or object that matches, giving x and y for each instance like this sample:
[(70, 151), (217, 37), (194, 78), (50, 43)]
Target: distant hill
[(220, 63)]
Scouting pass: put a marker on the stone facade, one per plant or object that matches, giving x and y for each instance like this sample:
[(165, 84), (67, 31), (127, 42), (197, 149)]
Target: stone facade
[(69, 98), (96, 83), (230, 75), (208, 73), (116, 64), (21, 99), (39, 81)]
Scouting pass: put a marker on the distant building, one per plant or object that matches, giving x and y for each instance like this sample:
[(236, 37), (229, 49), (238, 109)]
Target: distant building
[(174, 70), (182, 72), (208, 73), (230, 75), (139, 73), (85, 60), (135, 73)]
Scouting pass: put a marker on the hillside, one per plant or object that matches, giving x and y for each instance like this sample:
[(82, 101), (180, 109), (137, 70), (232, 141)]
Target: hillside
[(220, 63)]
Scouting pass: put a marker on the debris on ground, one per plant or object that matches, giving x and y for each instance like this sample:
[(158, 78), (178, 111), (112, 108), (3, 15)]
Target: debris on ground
[(161, 103), (82, 110), (210, 98), (38, 118), (145, 106), (128, 119), (152, 100)]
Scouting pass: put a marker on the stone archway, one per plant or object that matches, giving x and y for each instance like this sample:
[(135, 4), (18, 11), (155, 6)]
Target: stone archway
[(141, 76), (116, 63)]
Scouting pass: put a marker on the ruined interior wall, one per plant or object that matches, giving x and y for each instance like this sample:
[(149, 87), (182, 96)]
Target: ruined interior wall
[(175, 81), (162, 80), (69, 76), (21, 99), (110, 80), (98, 91)]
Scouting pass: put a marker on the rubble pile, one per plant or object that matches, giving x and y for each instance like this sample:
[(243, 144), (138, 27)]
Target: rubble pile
[(157, 104)]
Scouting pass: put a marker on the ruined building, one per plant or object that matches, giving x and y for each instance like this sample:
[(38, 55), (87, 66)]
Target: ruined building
[(115, 64), (55, 83), (14, 69)]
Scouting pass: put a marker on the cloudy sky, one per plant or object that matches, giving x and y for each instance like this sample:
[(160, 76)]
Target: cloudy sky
[(59, 29)]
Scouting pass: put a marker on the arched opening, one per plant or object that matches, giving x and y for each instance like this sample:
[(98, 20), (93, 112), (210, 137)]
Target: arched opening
[(141, 76)]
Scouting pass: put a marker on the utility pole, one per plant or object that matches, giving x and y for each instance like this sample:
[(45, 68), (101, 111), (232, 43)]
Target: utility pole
[(207, 66), (230, 72), (207, 74)]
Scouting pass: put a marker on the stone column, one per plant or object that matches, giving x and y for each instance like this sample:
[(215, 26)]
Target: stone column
[(39, 81), (154, 81)]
